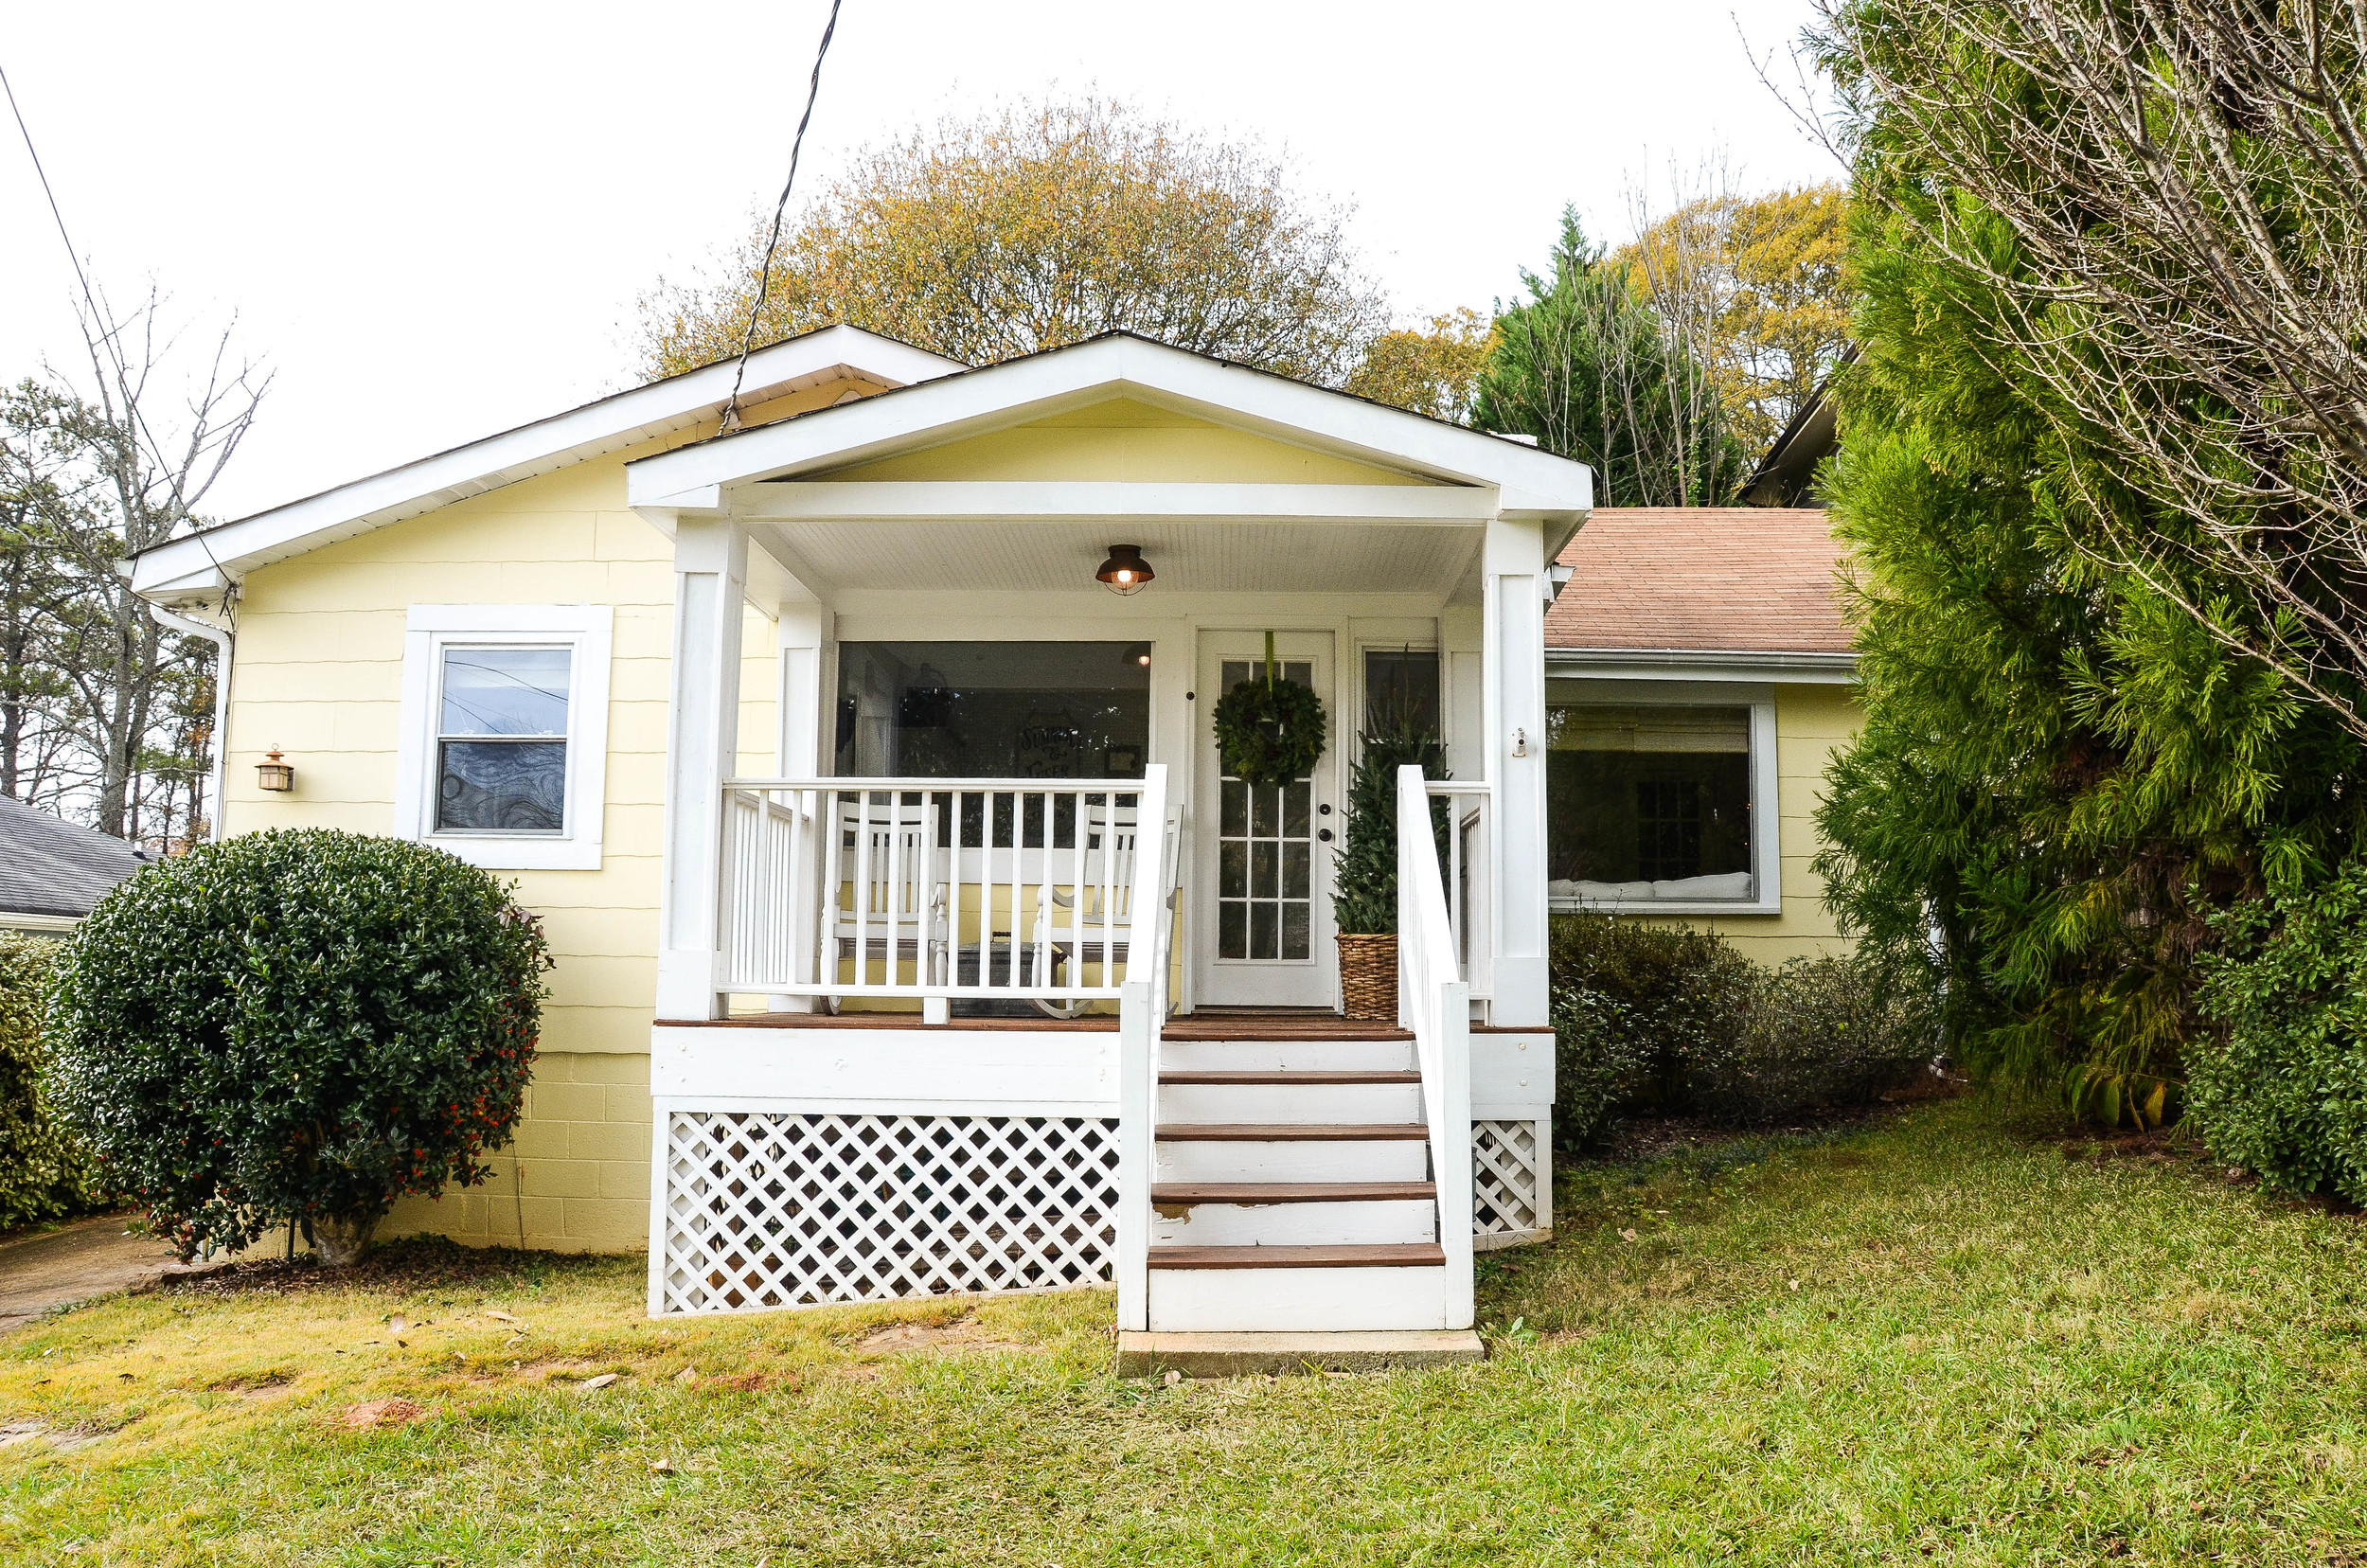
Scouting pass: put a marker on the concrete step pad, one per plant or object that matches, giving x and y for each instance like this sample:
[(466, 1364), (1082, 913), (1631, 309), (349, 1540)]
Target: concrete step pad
[(1235, 1355)]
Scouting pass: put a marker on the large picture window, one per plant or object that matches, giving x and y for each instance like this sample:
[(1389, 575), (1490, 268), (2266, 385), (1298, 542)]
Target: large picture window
[(993, 710), (1652, 804)]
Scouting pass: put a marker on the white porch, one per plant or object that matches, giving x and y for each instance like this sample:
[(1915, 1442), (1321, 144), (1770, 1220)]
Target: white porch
[(849, 1108)]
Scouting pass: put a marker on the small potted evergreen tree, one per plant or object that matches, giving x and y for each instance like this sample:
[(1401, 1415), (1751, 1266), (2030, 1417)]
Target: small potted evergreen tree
[(1365, 870)]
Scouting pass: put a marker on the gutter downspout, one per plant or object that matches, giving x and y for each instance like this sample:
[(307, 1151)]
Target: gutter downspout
[(225, 643)]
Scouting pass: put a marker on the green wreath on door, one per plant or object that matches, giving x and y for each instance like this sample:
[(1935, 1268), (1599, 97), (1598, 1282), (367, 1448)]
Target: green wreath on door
[(1270, 730)]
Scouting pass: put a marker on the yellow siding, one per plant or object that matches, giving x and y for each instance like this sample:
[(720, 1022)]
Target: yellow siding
[(1811, 721), (319, 675), (1126, 441)]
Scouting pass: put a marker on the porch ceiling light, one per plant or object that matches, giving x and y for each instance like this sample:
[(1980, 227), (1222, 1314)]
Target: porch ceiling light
[(1126, 571)]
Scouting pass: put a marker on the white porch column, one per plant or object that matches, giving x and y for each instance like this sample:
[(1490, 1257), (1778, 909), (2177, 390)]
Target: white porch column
[(1513, 590), (805, 627), (702, 745)]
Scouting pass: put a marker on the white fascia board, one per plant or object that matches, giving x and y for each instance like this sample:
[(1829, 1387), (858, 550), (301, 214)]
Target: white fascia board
[(1528, 481), (1115, 501), (1639, 664), (623, 419)]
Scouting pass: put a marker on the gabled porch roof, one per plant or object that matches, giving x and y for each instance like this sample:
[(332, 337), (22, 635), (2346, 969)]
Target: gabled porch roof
[(1383, 498)]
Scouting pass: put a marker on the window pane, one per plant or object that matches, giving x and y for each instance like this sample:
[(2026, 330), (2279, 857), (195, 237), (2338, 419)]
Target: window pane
[(1294, 918), (505, 691), (1295, 871), (995, 710), (1232, 930), (1649, 801), (1262, 934), (1233, 875), (501, 786), (1265, 870), (1401, 689)]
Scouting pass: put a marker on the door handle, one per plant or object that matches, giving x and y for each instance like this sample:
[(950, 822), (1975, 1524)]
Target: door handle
[(1324, 833)]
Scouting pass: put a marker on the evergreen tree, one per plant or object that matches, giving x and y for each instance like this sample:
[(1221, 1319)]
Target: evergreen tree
[(2062, 771), (1590, 368)]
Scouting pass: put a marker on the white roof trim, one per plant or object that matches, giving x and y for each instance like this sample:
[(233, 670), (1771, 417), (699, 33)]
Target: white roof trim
[(194, 567), (1529, 481), (1701, 663)]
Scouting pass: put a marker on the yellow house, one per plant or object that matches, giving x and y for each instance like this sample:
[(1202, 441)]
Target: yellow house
[(1698, 677), (854, 742)]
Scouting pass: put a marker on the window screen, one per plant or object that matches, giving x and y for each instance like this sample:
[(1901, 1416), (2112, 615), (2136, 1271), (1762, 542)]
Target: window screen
[(993, 710)]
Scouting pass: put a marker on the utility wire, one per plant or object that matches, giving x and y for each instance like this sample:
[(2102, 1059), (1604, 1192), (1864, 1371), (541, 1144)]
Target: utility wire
[(764, 273), (104, 325)]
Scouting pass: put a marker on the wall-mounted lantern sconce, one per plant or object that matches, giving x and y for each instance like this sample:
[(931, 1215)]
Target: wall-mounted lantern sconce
[(275, 774), (1126, 571)]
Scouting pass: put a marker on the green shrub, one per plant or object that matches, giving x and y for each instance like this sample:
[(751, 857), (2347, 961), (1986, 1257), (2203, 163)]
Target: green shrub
[(297, 1027), (1601, 1061), (45, 1172), (1829, 1031), (2282, 1088), (1675, 1021), (1364, 873)]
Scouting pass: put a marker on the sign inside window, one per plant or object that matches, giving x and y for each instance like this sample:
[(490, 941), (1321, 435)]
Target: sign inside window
[(501, 746)]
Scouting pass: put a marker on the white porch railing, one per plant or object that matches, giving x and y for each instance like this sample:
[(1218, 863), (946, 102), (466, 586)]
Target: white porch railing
[(1021, 889), (1434, 1002), (1142, 1012), (1470, 896)]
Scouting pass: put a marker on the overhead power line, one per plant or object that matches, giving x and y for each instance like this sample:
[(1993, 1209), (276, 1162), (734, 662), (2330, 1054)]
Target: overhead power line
[(764, 273), (104, 325)]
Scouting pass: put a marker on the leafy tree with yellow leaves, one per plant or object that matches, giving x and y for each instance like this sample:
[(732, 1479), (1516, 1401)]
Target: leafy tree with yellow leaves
[(1433, 372), (1762, 276), (1039, 224)]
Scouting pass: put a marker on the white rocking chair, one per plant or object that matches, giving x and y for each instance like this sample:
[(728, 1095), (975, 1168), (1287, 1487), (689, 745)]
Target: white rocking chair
[(1097, 907)]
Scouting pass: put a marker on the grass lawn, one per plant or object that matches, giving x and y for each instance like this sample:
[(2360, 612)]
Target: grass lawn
[(1935, 1339)]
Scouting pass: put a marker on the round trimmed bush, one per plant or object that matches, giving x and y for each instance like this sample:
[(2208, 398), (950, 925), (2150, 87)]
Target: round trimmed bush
[(297, 1027)]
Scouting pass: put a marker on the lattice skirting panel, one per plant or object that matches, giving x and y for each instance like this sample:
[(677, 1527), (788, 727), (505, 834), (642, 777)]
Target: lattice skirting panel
[(1511, 1200), (765, 1209)]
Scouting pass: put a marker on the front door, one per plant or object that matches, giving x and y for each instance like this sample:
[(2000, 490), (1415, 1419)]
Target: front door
[(1262, 857)]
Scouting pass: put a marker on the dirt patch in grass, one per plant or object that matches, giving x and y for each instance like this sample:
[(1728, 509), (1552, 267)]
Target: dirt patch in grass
[(963, 1333), (375, 1415), (419, 1264)]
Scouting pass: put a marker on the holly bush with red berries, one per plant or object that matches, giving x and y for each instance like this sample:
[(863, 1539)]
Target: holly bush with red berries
[(297, 1027)]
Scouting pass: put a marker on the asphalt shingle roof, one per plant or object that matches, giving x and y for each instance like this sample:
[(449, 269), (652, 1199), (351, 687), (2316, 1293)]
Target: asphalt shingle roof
[(53, 866), (1705, 580)]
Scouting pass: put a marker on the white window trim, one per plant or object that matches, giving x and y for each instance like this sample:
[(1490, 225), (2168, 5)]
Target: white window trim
[(1766, 823), (589, 631)]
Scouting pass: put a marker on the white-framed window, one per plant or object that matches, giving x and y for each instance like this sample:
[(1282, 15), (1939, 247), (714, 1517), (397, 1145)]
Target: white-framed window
[(503, 753), (1662, 796)]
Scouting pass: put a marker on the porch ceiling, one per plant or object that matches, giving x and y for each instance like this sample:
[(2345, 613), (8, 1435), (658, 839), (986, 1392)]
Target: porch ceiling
[(1016, 557)]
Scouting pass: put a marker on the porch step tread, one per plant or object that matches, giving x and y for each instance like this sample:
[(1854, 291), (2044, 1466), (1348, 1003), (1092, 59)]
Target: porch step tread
[(1290, 1132), (1401, 1254), (1209, 1025), (1290, 1192), (1291, 1074)]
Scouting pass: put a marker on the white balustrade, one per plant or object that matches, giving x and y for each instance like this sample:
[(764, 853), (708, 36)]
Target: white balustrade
[(1434, 1002), (1468, 891), (1029, 889)]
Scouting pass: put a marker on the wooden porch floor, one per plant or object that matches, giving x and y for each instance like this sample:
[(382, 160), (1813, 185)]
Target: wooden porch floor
[(1207, 1023)]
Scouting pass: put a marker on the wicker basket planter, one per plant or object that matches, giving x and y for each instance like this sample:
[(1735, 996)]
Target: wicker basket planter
[(1368, 977)]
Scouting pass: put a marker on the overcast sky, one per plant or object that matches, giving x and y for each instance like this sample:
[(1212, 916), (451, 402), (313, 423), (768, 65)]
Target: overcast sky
[(431, 221)]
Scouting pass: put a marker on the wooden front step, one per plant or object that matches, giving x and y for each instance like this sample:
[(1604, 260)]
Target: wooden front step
[(1408, 1255), (1292, 1132), (1292, 1192), (1293, 1076)]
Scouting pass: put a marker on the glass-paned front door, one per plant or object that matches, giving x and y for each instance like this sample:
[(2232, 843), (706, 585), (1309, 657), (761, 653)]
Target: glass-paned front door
[(1267, 850)]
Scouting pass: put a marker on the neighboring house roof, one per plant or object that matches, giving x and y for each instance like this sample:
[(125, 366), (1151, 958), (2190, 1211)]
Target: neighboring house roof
[(1787, 475), (194, 567), (52, 867), (1747, 585)]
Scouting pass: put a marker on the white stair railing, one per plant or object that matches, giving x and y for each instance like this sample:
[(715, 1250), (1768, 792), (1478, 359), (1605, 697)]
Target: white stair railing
[(1142, 1012), (936, 888), (1469, 898), (1434, 1002)]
